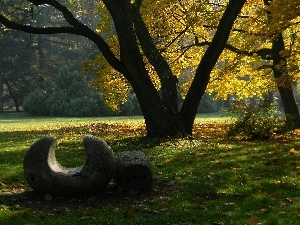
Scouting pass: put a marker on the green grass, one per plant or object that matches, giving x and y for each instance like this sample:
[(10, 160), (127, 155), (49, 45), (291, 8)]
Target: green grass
[(209, 180)]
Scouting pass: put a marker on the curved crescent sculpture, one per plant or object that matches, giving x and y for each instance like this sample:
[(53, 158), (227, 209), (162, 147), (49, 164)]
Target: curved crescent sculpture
[(46, 176)]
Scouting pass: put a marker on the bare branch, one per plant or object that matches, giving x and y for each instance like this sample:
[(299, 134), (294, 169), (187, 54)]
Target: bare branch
[(76, 28), (263, 67), (264, 53), (37, 30), (63, 9)]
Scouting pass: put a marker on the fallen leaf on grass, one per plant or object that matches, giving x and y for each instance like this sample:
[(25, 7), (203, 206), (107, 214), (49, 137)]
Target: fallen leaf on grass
[(164, 209), (289, 200), (276, 181), (86, 217), (119, 190), (293, 151), (128, 213), (48, 197), (26, 215), (92, 199), (253, 221), (15, 216)]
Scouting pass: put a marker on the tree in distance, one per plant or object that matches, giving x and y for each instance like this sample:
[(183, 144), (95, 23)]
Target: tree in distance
[(67, 95)]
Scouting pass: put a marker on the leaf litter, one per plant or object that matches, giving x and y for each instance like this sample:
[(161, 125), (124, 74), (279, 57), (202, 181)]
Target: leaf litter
[(207, 137)]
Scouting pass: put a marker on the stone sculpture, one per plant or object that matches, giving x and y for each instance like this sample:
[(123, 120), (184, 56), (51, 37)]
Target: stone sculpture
[(46, 176), (133, 171)]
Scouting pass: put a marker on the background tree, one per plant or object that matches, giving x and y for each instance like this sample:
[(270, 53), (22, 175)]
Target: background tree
[(17, 74), (267, 59), (29, 59), (67, 95), (1, 94)]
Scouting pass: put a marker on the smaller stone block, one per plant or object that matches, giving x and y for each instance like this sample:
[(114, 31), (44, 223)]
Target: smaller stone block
[(133, 171)]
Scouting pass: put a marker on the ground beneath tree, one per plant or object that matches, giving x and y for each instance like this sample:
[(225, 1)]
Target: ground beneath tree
[(18, 195)]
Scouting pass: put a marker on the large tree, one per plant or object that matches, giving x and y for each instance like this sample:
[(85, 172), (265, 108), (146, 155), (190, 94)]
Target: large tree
[(17, 76), (280, 57), (267, 59), (162, 115)]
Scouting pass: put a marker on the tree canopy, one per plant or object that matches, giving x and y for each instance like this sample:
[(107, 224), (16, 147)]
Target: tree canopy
[(148, 46)]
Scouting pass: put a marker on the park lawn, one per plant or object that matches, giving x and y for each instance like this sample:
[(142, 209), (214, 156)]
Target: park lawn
[(208, 180)]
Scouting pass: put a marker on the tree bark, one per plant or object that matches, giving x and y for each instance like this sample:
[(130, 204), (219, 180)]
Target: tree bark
[(1, 94), (283, 84), (40, 53), (169, 82), (159, 121), (189, 108), (12, 95), (280, 72)]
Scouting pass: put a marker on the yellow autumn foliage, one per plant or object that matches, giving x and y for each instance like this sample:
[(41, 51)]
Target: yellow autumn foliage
[(182, 30), (246, 76)]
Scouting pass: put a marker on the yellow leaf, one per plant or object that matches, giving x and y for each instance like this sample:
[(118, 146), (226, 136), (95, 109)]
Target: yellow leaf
[(48, 197), (252, 221), (276, 182), (293, 151), (128, 213), (14, 216)]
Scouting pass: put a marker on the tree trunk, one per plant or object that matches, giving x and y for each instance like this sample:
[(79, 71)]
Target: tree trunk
[(270, 96), (160, 122), (12, 95), (169, 82), (207, 63), (1, 95), (41, 53), (283, 83)]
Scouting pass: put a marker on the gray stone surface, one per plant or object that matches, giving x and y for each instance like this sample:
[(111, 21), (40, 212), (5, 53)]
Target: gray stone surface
[(133, 171), (46, 176)]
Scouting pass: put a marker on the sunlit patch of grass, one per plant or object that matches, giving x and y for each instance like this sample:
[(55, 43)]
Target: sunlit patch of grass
[(210, 179)]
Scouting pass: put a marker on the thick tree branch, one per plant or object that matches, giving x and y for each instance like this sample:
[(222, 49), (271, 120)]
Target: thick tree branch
[(37, 30), (264, 53), (263, 67), (208, 61), (168, 80), (149, 48), (138, 4), (237, 30), (63, 9)]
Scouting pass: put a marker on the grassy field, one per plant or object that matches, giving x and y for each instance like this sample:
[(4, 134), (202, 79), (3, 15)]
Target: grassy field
[(208, 180)]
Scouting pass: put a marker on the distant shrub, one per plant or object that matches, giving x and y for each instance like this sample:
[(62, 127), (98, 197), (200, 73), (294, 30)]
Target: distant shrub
[(131, 107), (209, 105), (67, 95), (85, 106), (37, 104), (58, 108), (257, 122)]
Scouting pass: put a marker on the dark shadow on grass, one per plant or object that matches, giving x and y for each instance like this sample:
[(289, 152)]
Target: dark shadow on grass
[(216, 184), (112, 197), (135, 143)]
